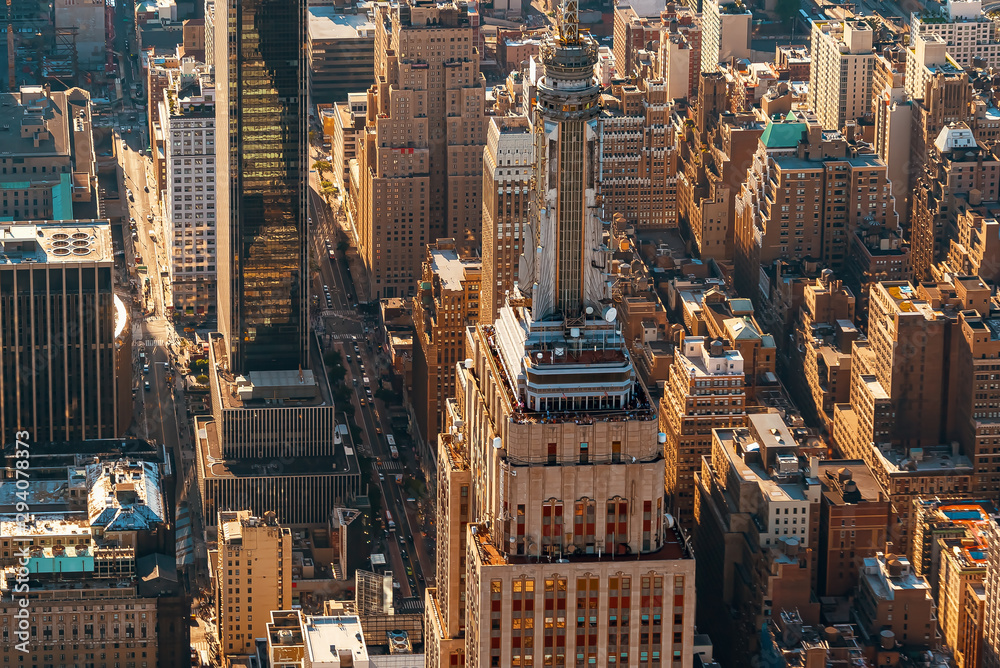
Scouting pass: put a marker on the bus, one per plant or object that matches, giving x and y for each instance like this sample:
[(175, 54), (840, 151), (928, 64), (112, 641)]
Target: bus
[(389, 522)]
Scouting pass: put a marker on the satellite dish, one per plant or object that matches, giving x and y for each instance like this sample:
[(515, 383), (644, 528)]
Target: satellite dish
[(539, 355), (610, 313)]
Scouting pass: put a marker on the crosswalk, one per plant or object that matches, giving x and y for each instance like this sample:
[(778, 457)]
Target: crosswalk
[(339, 313), (411, 605), (391, 466)]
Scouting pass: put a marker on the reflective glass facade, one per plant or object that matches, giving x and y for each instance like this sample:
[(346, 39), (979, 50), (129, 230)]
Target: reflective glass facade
[(262, 226)]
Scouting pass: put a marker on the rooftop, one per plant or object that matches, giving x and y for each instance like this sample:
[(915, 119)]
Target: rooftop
[(451, 269), (63, 241), (45, 525), (334, 23), (125, 496), (329, 639), (888, 575)]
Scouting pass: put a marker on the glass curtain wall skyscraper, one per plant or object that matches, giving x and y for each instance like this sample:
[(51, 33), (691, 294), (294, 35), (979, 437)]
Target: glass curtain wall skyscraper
[(261, 84)]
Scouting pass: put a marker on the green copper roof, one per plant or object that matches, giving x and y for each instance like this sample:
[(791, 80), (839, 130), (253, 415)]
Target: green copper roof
[(783, 135)]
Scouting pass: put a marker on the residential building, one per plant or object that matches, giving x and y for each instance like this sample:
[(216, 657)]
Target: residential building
[(447, 303), (555, 431), (253, 576), (348, 129), (853, 523), (725, 32), (678, 62), (341, 47), (420, 166), (840, 74), (714, 155), (66, 373), (968, 32), (756, 532), (261, 232), (193, 40), (889, 585), (704, 392), (635, 26), (48, 169), (639, 158), (187, 119), (732, 320), (975, 250), (955, 165), (805, 194), (926, 58), (507, 174)]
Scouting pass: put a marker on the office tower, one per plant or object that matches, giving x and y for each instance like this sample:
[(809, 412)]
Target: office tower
[(703, 392), (341, 50), (544, 464), (639, 155), (725, 32), (751, 566), (421, 159), (253, 576), (447, 303), (969, 33), (261, 106), (957, 166), (990, 650), (48, 161), (187, 117), (507, 174), (893, 112), (840, 74), (819, 173), (66, 371)]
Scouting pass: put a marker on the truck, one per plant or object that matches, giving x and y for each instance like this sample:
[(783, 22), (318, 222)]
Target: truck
[(388, 521), (393, 452), (399, 478)]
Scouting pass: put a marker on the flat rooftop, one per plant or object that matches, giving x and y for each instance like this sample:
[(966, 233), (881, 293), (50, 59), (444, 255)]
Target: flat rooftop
[(66, 241), (328, 639), (209, 449), (46, 525), (450, 268), (332, 23), (34, 107)]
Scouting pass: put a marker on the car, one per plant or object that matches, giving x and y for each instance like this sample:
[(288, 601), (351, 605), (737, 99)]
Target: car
[(356, 349), (362, 401), (355, 381), (149, 216), (403, 554), (146, 386), (378, 430), (409, 570), (381, 476), (420, 576), (145, 369), (326, 288), (413, 585), (146, 188)]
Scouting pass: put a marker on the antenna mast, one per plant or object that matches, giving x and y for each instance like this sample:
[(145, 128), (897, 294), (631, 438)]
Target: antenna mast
[(569, 22)]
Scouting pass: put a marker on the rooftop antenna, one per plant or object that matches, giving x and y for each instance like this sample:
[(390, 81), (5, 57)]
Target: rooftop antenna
[(569, 23)]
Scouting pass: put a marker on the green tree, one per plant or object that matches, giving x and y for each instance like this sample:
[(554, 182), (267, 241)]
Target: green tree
[(201, 379), (322, 166)]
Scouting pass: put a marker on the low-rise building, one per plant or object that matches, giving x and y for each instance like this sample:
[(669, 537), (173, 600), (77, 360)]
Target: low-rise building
[(891, 597)]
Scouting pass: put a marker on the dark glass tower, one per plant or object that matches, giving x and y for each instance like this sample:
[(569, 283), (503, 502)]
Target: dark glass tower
[(263, 149)]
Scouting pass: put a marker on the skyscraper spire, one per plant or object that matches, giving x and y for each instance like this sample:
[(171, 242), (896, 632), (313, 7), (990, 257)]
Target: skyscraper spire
[(564, 269)]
